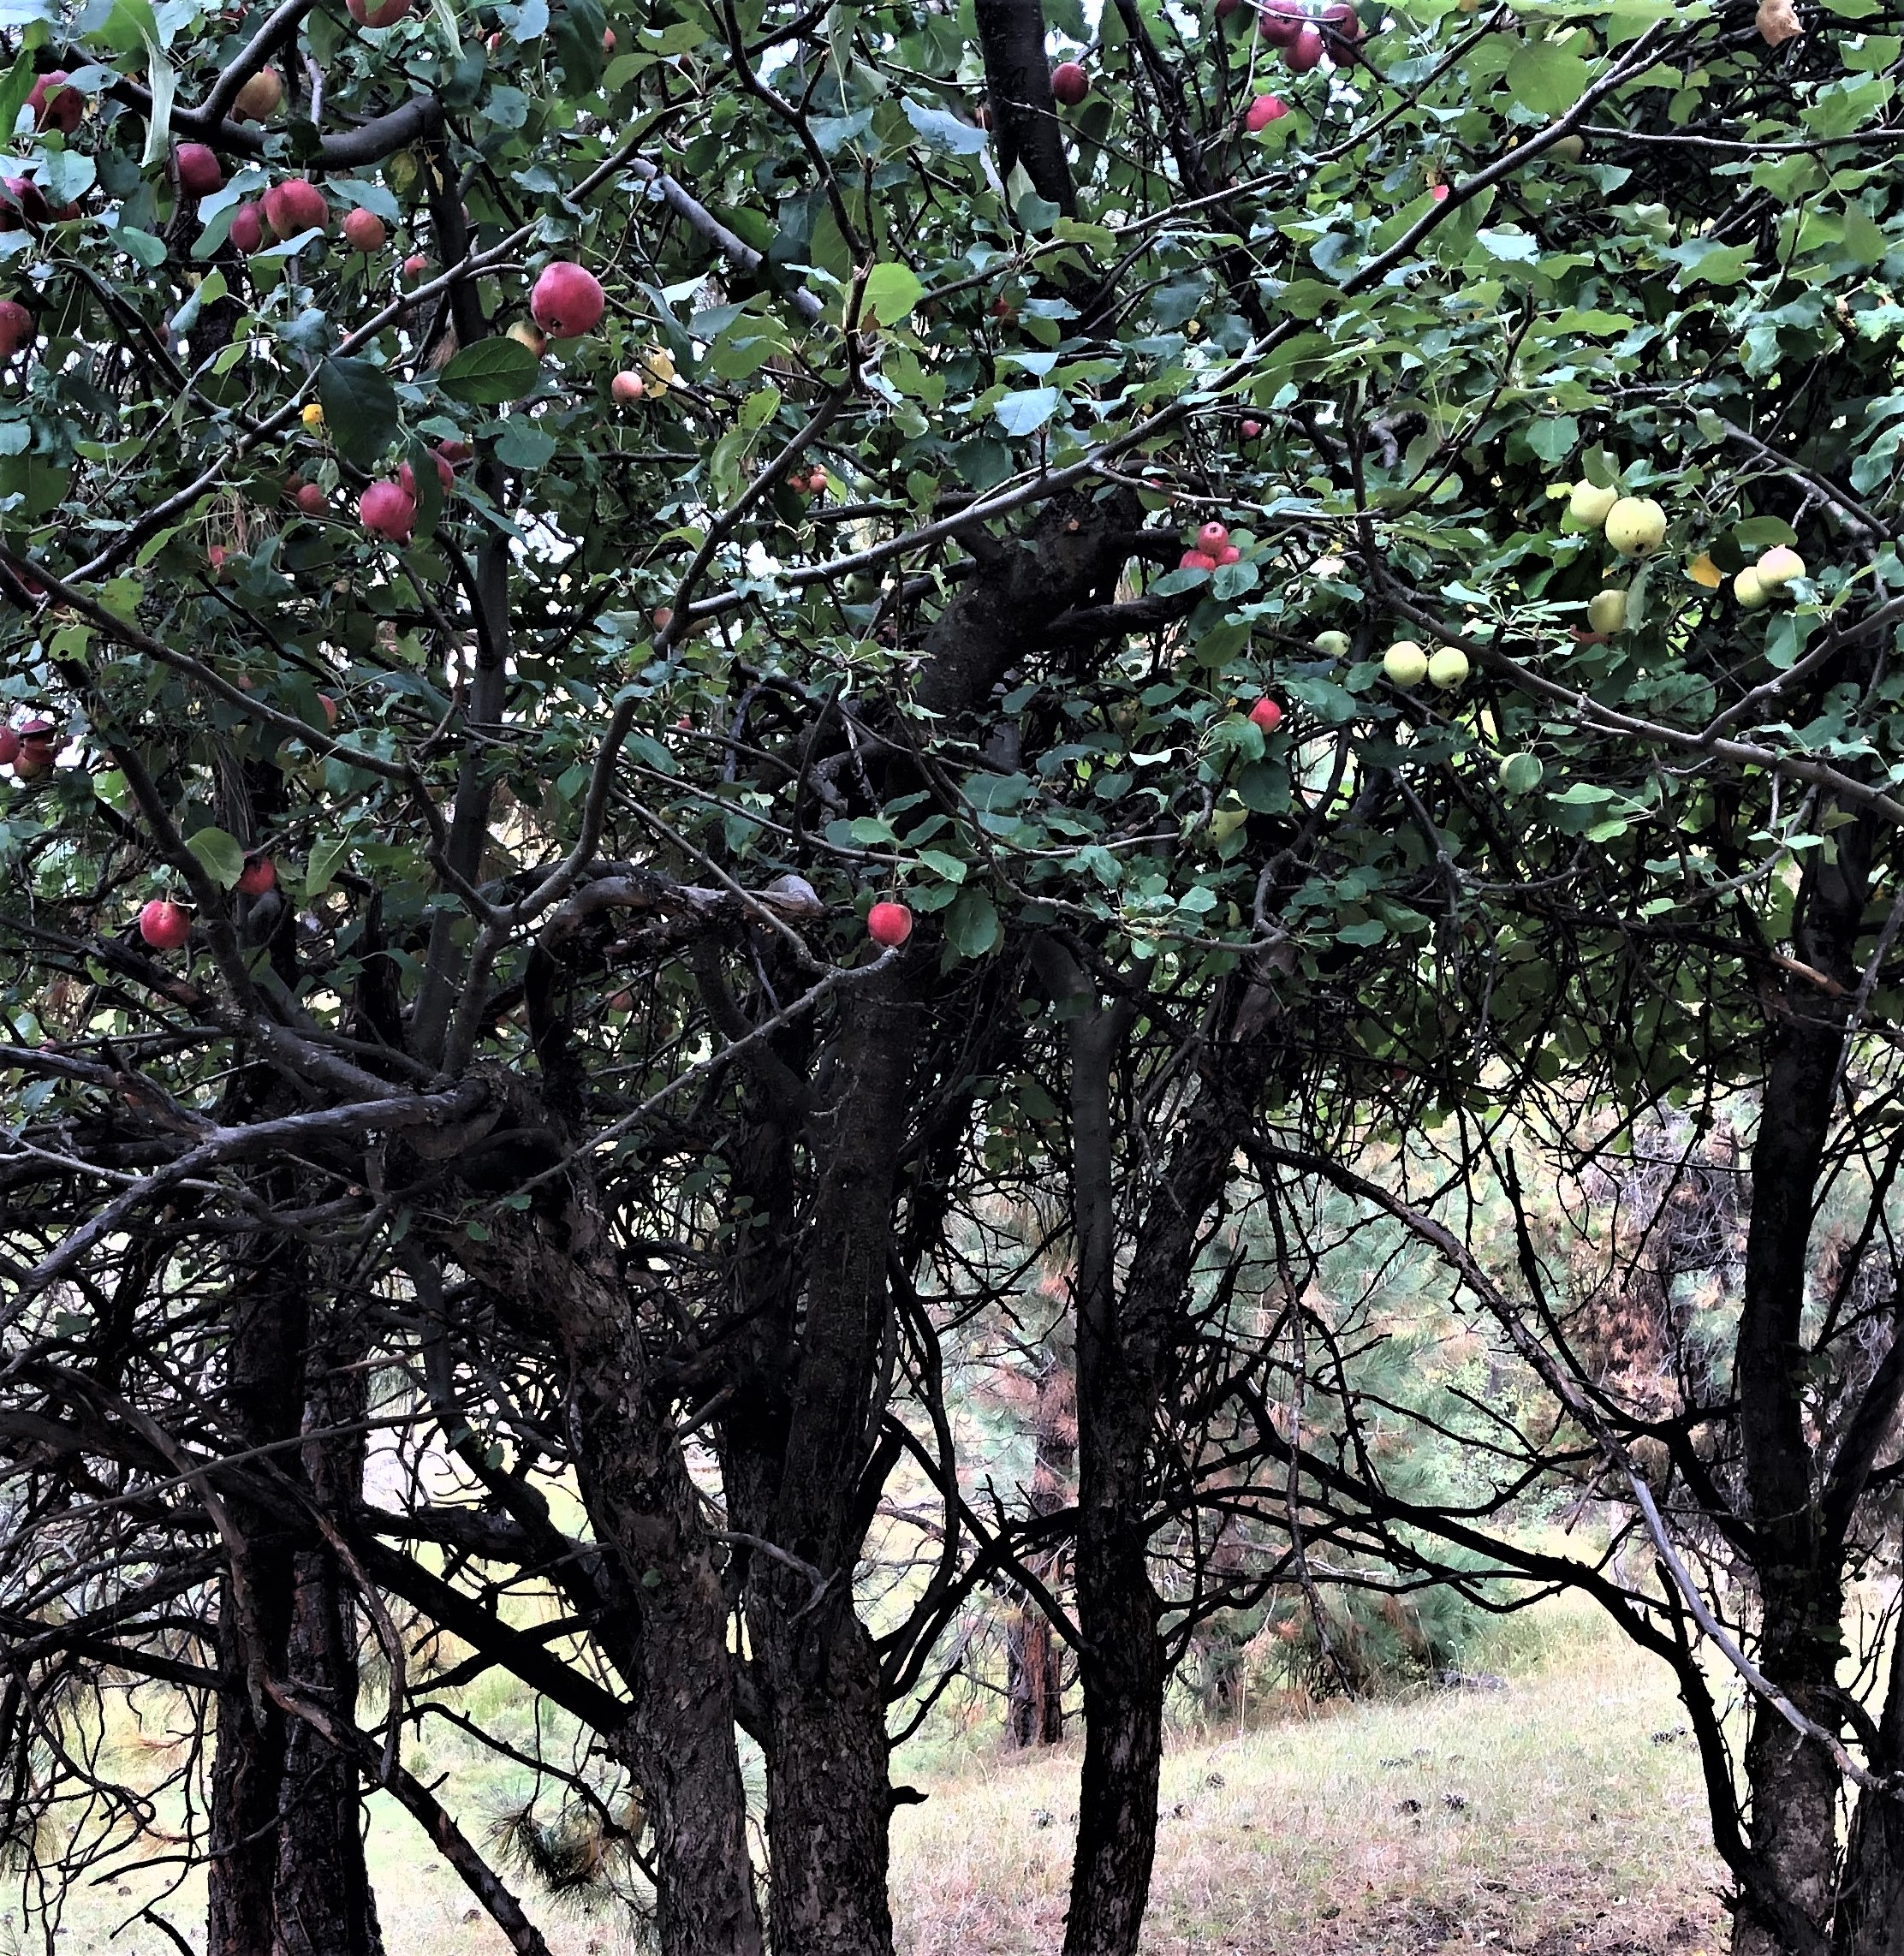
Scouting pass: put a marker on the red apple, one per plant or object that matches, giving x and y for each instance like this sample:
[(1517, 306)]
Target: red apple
[(215, 557), (56, 106), (164, 925), (1439, 193), (1251, 429), (1070, 84), (452, 451), (387, 15), (608, 40), (1211, 538), (567, 301), (1267, 714), (16, 327), (312, 499), (627, 387), (9, 745), (364, 231), (1305, 51), (199, 173), (416, 268), (446, 475), (259, 875), (28, 201), (1226, 8), (1279, 21), (1341, 22), (662, 617), (296, 206), (889, 924), (1229, 555), (1195, 560), (1264, 110), (247, 230), (330, 706), (260, 95), (388, 510), (34, 760), (525, 335)]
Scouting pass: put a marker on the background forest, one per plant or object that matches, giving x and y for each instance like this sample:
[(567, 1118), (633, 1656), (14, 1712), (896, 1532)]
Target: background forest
[(891, 882)]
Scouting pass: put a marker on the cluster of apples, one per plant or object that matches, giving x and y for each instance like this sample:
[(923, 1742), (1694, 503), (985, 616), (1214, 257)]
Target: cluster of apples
[(1757, 584), (1634, 525), (1304, 37), (388, 509), (28, 750), (1407, 665), (1212, 549)]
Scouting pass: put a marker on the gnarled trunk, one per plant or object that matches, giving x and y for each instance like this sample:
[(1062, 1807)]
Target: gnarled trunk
[(1870, 1892)]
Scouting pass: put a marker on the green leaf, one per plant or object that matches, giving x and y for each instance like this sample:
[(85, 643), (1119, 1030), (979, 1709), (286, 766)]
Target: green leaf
[(523, 445), (1865, 242), (490, 374), (891, 293), (325, 857), (972, 923), (360, 409), (1546, 78), (1028, 410), (944, 132), (221, 855)]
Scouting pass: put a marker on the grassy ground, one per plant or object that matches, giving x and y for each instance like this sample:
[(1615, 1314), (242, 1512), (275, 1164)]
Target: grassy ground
[(1541, 1818)]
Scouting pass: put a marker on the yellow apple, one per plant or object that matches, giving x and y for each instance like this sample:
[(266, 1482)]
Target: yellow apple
[(1589, 503), (1606, 611), (1448, 668), (1636, 526), (1405, 662), (1779, 565), (1749, 588)]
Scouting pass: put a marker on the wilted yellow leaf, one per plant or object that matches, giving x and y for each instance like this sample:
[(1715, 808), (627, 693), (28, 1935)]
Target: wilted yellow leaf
[(1778, 21), (1702, 571)]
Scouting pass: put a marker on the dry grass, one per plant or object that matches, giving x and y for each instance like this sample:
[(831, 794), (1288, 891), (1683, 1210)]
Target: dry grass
[(1575, 1832), (1574, 1835)]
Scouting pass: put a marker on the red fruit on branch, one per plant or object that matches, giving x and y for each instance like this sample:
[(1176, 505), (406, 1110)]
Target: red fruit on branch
[(247, 228), (1069, 83), (388, 510), (9, 745), (16, 327), (1195, 560), (1229, 555), (259, 875), (1251, 429), (56, 106), (568, 300), (364, 231), (1341, 23), (1305, 51), (312, 499), (889, 924), (294, 206), (1279, 21), (1211, 537), (453, 451), (1267, 714), (1264, 110), (387, 15), (259, 97), (446, 475), (628, 386), (199, 172), (164, 925)]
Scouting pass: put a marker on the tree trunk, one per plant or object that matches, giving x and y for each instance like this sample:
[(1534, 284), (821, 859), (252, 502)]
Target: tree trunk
[(1870, 1919), (1792, 1783), (661, 1579), (1034, 1692), (828, 1796)]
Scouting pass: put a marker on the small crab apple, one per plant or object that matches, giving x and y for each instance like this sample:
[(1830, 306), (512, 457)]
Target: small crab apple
[(1279, 21), (9, 745), (1267, 714), (386, 15), (164, 925), (525, 335), (364, 231), (446, 475), (296, 206), (1069, 83), (1778, 566), (1251, 429), (889, 924), (312, 499), (1195, 560), (1305, 51), (199, 172), (1264, 110), (1211, 537), (628, 386), (1229, 555), (259, 875), (567, 300)]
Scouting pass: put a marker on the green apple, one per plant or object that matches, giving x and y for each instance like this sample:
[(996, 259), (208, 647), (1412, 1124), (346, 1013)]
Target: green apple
[(1779, 565), (1521, 774), (1636, 526), (1405, 662), (1448, 668), (1332, 645), (1569, 149), (1589, 503), (1749, 588), (1606, 611)]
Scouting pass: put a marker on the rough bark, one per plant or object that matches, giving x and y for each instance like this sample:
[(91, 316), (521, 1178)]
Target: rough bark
[(1869, 1920), (1024, 122), (661, 1577), (1792, 1782), (1034, 1689), (828, 1796)]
